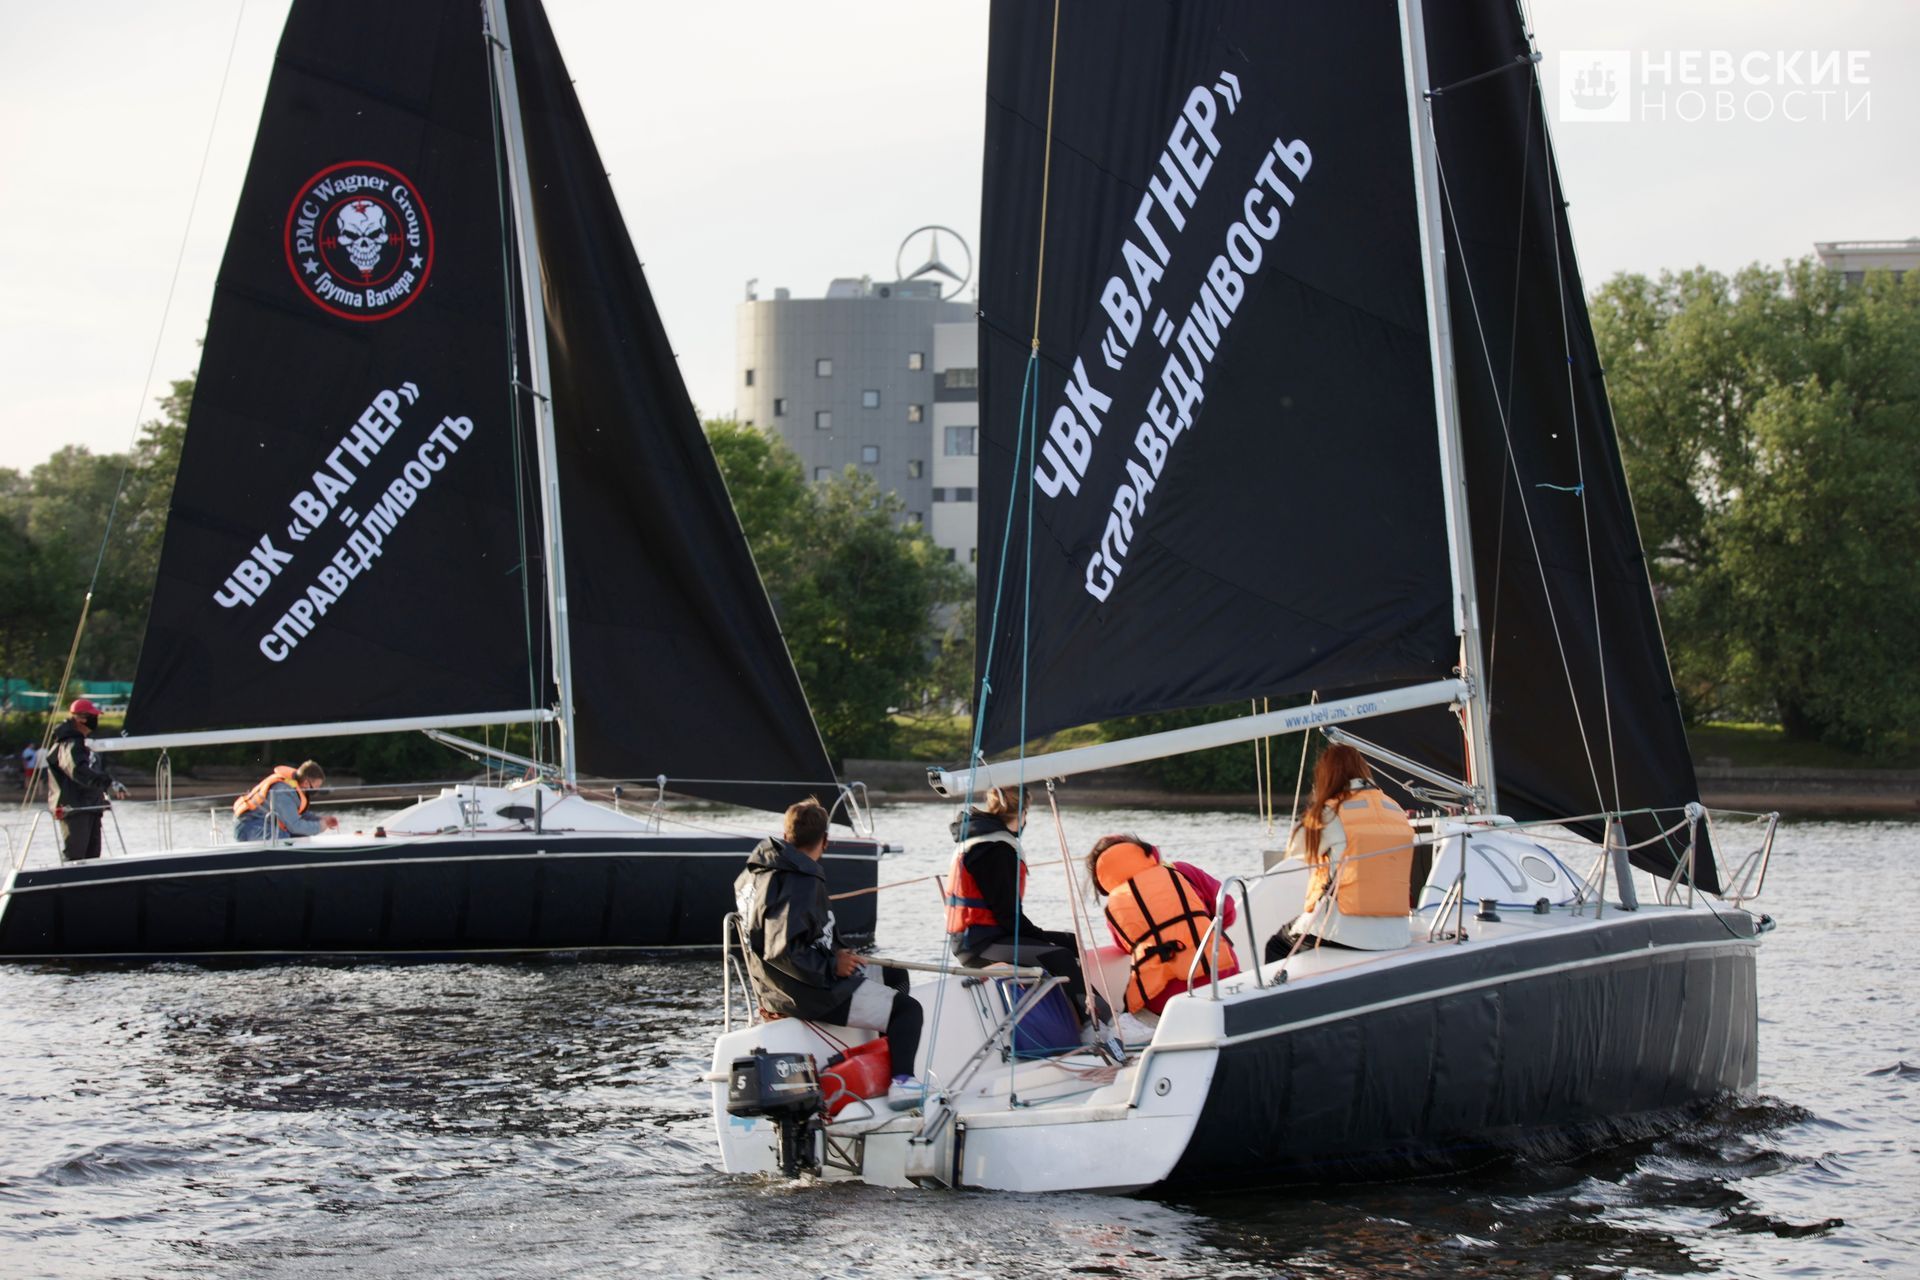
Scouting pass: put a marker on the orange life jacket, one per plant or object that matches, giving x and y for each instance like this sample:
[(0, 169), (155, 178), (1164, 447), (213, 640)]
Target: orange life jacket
[(258, 796), (966, 906), (1161, 919), (1377, 863)]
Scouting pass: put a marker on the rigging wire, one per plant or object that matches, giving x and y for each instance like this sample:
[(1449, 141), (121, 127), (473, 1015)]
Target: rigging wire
[(1555, 194), (1506, 430), (1027, 417), (1513, 359), (153, 361)]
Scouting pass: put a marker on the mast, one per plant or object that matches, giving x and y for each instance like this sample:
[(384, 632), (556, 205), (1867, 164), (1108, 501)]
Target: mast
[(1433, 257), (526, 243)]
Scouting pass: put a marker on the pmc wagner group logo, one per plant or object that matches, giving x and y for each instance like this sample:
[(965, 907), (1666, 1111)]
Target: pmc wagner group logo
[(359, 240)]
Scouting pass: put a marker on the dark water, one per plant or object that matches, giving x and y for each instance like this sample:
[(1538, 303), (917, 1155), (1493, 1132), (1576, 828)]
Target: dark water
[(546, 1121)]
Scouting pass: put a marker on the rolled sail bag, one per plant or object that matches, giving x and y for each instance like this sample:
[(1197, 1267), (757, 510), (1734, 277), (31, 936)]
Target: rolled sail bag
[(862, 1071)]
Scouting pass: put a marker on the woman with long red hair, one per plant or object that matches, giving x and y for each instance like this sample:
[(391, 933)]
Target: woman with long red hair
[(1358, 846)]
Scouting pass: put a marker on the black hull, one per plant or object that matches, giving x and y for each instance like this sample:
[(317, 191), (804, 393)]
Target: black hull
[(1550, 1045), (491, 897)]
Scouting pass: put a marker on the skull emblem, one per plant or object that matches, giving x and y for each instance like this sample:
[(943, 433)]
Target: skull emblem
[(363, 234)]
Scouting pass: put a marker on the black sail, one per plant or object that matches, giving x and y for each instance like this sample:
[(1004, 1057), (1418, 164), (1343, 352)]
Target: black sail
[(679, 664), (342, 542), (1584, 715), (1292, 536), (356, 529)]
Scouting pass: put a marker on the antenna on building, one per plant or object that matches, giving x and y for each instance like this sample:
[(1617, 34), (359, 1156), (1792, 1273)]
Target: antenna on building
[(753, 295)]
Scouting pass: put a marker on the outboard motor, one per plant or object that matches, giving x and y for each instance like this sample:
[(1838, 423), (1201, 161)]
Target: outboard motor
[(784, 1087)]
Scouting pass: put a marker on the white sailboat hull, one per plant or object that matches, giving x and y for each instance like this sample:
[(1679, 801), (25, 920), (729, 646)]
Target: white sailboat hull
[(1540, 1032)]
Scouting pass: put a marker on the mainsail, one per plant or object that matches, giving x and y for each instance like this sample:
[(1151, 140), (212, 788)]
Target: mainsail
[(355, 531), (342, 542), (1257, 512), (1237, 488)]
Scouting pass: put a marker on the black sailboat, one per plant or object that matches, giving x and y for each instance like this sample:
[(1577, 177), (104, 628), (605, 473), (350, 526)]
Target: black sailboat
[(442, 471), (1288, 393)]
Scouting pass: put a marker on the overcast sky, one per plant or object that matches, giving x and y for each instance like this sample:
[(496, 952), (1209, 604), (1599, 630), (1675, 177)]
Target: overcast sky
[(773, 140)]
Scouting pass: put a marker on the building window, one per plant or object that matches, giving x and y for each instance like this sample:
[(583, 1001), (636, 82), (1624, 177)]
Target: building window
[(823, 368), (915, 520), (960, 442), (821, 473), (916, 360), (916, 469), (939, 495), (973, 555), (916, 413), (869, 453), (749, 377), (823, 419), (780, 408), (963, 494), (949, 551), (960, 378), (869, 399)]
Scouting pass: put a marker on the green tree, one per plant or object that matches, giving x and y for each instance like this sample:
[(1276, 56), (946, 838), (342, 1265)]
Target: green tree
[(60, 513), (1770, 425), (856, 593)]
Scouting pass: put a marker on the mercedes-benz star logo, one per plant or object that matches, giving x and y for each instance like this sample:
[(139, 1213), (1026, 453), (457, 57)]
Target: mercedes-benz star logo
[(933, 265)]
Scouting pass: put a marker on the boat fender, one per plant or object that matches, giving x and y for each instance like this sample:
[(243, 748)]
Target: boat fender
[(862, 1071)]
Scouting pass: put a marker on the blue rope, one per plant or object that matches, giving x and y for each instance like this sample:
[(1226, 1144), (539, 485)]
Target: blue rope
[(1029, 412), (1575, 489)]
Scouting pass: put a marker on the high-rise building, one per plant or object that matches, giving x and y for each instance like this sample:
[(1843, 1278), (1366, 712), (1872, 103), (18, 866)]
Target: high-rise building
[(1854, 258), (876, 375)]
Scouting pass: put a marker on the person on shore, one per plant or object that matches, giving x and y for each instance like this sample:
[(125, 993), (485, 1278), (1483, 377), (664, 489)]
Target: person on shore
[(796, 964), (276, 808), (29, 760), (1359, 847), (77, 782), (986, 892), (1161, 915)]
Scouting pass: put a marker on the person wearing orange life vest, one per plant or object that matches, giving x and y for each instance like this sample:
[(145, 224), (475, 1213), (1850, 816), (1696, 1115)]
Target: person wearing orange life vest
[(1161, 915), (1359, 848), (986, 890), (276, 808)]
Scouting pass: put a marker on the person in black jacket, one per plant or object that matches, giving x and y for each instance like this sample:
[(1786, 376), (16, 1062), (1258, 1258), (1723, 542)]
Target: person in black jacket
[(799, 969), (77, 783), (986, 891)]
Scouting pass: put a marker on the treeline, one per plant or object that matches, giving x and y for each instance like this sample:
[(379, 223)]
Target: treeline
[(53, 522), (859, 597), (1769, 422)]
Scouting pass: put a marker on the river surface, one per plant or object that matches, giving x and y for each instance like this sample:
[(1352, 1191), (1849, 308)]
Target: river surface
[(546, 1120)]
